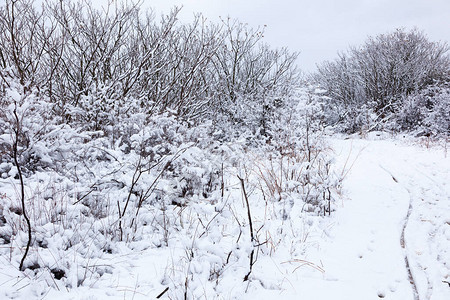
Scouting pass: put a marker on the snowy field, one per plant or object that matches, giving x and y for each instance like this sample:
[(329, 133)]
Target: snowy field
[(389, 237), (143, 157)]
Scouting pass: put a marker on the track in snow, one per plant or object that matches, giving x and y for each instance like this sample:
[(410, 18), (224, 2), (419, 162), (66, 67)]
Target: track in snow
[(411, 207), (402, 238)]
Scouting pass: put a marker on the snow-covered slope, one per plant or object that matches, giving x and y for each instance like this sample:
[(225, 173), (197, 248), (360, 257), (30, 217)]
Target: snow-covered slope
[(391, 238)]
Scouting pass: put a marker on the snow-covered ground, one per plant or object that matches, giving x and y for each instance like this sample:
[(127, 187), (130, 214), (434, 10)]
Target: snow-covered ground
[(392, 187), (388, 238)]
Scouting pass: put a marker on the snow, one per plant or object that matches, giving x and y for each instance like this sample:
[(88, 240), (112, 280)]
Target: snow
[(393, 212), (366, 251)]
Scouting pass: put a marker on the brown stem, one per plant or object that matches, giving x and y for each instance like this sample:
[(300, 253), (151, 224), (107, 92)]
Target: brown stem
[(22, 188), (251, 229)]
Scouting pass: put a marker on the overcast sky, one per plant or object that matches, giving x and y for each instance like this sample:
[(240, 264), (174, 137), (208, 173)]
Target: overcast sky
[(319, 28)]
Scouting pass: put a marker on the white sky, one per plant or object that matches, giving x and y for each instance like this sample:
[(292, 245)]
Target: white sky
[(319, 28)]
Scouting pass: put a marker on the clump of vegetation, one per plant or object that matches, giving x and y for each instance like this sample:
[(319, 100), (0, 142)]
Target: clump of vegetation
[(393, 81), (118, 127)]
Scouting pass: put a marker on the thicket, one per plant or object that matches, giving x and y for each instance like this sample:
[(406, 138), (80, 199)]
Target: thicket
[(93, 64), (395, 81), (116, 125)]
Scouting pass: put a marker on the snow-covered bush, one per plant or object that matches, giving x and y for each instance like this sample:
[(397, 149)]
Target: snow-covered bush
[(437, 118), (25, 117), (371, 86), (133, 134), (411, 112), (297, 164), (157, 177), (426, 112)]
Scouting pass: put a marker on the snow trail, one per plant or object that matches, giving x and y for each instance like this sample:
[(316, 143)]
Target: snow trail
[(388, 201), (402, 239), (403, 244)]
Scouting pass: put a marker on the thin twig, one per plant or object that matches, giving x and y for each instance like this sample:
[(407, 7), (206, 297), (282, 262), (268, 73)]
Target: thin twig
[(252, 261), (22, 188), (162, 293)]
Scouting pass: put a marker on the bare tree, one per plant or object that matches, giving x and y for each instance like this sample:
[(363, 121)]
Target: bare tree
[(385, 69)]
